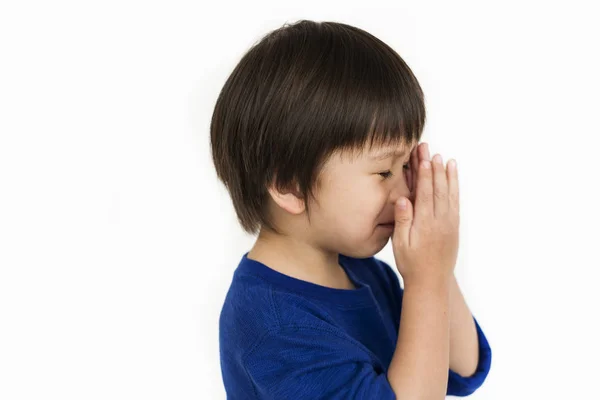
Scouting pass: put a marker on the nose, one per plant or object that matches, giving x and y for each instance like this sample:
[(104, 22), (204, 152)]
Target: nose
[(401, 189)]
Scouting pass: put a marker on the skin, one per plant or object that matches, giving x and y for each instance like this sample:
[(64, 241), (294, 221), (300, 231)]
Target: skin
[(464, 344), (353, 199), (356, 195)]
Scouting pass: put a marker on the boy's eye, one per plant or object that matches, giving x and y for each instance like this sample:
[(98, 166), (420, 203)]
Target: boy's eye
[(387, 174)]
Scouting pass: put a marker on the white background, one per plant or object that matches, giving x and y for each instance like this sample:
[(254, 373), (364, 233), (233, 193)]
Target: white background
[(118, 244)]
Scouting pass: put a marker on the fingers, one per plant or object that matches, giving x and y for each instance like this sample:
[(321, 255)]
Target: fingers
[(424, 152), (436, 188), (414, 168), (453, 198), (440, 187), (424, 208)]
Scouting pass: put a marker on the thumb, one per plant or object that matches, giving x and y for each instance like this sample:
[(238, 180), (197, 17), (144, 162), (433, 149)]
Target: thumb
[(403, 218)]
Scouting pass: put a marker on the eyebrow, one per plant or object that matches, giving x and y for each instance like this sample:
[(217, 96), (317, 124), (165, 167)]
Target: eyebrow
[(387, 154)]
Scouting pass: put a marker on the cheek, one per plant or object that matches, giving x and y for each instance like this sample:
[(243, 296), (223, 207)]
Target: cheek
[(358, 204), (369, 202), (378, 193)]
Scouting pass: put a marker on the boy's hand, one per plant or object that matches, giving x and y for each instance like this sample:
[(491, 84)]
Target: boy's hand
[(421, 152), (425, 240)]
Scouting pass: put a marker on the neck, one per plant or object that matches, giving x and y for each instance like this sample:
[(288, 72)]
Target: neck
[(301, 260)]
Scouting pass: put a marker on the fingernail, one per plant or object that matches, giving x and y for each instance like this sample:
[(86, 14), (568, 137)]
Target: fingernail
[(426, 164), (402, 203)]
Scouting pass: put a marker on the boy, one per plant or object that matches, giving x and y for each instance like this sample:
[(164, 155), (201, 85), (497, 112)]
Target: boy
[(315, 137)]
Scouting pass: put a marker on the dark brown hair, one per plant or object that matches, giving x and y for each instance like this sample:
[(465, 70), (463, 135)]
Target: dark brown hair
[(301, 93)]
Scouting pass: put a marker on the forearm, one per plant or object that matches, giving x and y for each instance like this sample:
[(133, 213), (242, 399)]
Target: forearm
[(464, 344), (419, 367)]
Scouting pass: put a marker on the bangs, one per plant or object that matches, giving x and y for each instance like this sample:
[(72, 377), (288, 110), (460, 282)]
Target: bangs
[(367, 95)]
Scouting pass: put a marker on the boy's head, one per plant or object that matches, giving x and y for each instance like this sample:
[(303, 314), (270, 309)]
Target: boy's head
[(296, 125)]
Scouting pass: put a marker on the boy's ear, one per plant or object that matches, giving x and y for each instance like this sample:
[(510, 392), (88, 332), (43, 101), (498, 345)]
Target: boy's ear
[(288, 199)]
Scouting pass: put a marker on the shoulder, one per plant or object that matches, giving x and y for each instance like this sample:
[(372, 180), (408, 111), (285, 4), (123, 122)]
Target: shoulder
[(254, 309), (248, 309)]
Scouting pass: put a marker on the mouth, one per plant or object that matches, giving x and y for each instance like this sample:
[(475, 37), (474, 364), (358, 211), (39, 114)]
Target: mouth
[(387, 225)]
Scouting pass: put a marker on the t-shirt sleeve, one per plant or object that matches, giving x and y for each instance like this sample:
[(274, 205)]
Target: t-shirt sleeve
[(311, 363), (459, 385)]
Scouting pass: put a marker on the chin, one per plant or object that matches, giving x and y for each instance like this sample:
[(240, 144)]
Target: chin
[(366, 251)]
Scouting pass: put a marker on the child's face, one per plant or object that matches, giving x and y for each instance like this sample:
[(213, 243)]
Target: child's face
[(358, 195)]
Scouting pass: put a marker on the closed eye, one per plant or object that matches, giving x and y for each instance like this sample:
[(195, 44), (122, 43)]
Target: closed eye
[(388, 174)]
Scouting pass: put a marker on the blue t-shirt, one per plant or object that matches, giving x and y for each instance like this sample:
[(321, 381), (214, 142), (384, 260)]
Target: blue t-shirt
[(285, 338)]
